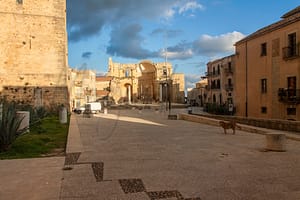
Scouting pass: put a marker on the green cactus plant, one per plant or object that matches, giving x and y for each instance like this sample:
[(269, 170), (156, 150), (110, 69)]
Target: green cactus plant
[(9, 124)]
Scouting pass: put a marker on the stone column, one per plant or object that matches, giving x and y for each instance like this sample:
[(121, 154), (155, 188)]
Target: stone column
[(129, 94), (160, 92)]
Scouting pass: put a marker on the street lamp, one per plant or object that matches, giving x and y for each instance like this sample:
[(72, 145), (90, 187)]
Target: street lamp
[(168, 90), (165, 73)]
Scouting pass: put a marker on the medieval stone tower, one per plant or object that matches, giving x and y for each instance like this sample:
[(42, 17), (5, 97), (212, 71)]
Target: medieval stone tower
[(33, 52)]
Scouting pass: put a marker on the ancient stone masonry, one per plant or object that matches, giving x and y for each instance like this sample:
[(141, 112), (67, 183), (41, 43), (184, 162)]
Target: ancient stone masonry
[(33, 51), (145, 82)]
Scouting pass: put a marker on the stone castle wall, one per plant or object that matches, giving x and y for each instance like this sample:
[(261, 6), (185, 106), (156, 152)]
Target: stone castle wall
[(33, 49), (48, 97)]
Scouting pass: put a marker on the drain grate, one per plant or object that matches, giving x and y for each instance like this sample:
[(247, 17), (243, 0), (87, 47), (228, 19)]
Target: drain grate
[(132, 185)]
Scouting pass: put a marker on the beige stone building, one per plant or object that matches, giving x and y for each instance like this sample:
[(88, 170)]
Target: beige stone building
[(198, 96), (82, 87), (220, 76), (103, 86), (267, 75), (33, 52), (145, 82)]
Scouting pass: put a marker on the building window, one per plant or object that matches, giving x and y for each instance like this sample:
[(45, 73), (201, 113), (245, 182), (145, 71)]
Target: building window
[(291, 111), (20, 1), (292, 49), (263, 51), (229, 67), (218, 84), (263, 110), (292, 44), (291, 83), (264, 85), (214, 98), (229, 82)]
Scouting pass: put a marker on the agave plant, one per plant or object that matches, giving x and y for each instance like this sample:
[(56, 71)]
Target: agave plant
[(9, 125)]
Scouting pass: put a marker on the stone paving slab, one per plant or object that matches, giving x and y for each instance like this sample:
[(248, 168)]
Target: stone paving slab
[(145, 156), (139, 154), (31, 179)]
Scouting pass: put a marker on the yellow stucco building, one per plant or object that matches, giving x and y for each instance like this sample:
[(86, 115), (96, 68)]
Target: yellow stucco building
[(220, 75), (267, 73)]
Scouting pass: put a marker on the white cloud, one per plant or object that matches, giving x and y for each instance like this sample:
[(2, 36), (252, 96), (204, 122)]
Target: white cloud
[(190, 6), (181, 55), (191, 80), (212, 45), (169, 13)]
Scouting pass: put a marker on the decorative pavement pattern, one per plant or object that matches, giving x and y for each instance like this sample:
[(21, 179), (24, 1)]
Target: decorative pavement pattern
[(128, 186)]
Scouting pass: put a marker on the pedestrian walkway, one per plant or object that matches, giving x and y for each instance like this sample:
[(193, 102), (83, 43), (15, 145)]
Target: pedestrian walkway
[(138, 154), (31, 179)]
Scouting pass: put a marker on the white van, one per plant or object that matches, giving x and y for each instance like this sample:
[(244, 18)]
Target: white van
[(95, 107)]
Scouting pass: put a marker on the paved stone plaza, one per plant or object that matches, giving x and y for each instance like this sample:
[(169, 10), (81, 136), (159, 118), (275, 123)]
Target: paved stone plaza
[(139, 154), (132, 154)]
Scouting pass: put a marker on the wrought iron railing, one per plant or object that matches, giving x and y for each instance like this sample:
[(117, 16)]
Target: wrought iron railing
[(229, 87), (289, 95), (228, 71), (290, 52)]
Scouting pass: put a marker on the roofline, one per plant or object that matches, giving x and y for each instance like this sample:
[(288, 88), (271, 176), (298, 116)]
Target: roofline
[(277, 25)]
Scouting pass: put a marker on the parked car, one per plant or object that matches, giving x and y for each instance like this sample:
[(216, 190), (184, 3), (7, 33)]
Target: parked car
[(94, 107), (79, 110)]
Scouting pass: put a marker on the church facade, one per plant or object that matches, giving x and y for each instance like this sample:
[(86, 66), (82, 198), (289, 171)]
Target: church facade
[(145, 82)]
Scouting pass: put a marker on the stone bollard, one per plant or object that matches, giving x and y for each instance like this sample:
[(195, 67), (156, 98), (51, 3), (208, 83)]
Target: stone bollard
[(63, 115), (105, 111), (24, 116), (275, 142)]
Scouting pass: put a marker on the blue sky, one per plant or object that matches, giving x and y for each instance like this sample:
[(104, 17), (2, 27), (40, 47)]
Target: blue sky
[(192, 32)]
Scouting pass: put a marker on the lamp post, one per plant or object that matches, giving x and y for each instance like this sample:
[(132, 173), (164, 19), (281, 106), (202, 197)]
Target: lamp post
[(168, 90), (165, 73)]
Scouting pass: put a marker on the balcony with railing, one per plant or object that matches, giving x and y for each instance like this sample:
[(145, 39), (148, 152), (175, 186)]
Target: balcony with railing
[(228, 71), (289, 96), (290, 52), (229, 87), (212, 74), (215, 87)]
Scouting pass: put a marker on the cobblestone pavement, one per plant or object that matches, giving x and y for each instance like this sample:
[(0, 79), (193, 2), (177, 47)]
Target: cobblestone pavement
[(139, 154)]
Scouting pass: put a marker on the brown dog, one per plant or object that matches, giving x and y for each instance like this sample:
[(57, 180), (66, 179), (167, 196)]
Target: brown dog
[(228, 125)]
